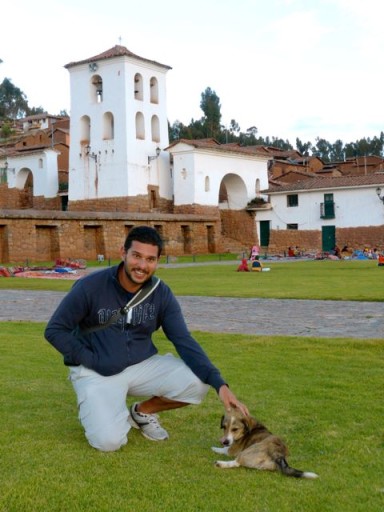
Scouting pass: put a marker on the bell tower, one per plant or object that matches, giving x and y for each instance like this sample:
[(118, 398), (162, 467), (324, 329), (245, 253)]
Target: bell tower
[(119, 128)]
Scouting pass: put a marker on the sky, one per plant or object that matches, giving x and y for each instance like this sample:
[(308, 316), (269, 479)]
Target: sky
[(292, 68)]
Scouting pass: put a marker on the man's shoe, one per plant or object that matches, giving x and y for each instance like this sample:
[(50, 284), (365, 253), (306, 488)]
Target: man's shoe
[(148, 424)]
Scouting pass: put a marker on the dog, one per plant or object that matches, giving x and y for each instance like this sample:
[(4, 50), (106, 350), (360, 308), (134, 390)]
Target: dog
[(254, 446)]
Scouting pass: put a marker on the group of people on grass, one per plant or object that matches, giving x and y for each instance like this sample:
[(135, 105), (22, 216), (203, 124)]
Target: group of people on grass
[(254, 256)]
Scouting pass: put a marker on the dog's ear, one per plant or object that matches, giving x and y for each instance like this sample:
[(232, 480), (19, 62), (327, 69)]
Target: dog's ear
[(222, 421), (247, 425)]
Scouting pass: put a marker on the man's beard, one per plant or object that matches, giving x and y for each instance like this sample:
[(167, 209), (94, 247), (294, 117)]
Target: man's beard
[(131, 277)]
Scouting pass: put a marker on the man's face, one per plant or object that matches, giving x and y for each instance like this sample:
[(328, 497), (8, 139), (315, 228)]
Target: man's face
[(140, 263)]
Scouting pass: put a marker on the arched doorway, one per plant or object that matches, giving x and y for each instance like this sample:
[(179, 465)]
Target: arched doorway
[(24, 183), (232, 193)]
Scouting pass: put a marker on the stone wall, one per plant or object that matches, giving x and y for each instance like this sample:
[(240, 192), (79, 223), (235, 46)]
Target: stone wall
[(143, 204), (358, 238), (239, 225), (196, 209), (42, 203), (307, 241), (311, 241), (46, 235), (9, 197)]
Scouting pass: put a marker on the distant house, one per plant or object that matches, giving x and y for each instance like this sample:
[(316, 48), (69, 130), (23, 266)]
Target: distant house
[(34, 164), (318, 213)]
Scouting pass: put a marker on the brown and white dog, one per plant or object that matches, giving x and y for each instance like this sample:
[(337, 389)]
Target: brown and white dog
[(254, 446)]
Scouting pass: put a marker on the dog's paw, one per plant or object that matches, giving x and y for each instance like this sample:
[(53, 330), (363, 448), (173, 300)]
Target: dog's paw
[(226, 464), (216, 449)]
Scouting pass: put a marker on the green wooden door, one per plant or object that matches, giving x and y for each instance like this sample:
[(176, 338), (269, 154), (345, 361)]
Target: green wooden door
[(328, 238), (264, 233)]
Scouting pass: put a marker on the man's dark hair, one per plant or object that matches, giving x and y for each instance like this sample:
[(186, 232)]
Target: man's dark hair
[(145, 235)]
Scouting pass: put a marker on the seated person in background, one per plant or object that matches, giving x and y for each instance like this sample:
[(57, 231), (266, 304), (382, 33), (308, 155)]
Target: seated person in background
[(255, 251), (346, 252), (337, 251), (257, 266), (243, 267), (291, 252)]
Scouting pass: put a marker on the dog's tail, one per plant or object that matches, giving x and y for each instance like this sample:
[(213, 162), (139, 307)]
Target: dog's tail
[(286, 469)]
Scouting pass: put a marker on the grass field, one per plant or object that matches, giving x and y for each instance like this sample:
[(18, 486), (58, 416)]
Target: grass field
[(323, 280), (323, 396)]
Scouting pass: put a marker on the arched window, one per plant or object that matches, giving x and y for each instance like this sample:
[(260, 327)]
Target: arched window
[(257, 187), (140, 129), (40, 163), (97, 88), (154, 87), (207, 184), (155, 129), (138, 87), (108, 126), (85, 130)]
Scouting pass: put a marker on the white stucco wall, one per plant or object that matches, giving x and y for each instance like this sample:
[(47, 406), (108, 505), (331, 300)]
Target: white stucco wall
[(353, 207), (45, 178), (122, 167), (191, 167)]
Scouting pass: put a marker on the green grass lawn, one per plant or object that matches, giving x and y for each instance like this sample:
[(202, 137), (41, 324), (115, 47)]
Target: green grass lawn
[(323, 396), (323, 279)]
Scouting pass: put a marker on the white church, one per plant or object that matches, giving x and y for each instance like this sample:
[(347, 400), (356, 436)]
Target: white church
[(122, 171), (120, 149)]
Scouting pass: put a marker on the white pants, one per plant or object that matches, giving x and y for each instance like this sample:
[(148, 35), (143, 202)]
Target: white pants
[(102, 402)]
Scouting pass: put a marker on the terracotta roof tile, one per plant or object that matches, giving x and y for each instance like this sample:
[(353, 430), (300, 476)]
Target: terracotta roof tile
[(327, 183), (211, 143), (115, 51)]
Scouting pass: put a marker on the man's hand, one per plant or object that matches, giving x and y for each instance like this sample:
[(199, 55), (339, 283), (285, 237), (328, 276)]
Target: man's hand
[(229, 400)]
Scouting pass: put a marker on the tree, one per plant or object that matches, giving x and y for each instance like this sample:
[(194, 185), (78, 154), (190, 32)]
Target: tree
[(210, 105), (6, 130), (234, 126), (336, 153), (322, 149), (209, 126), (13, 102), (303, 147)]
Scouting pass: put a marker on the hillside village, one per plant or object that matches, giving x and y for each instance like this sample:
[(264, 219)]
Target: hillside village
[(73, 188)]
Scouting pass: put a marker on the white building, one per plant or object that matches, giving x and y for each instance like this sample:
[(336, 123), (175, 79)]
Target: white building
[(329, 206), (118, 120), (208, 174)]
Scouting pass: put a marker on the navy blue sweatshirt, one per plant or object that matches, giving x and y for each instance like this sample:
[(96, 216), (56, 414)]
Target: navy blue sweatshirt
[(93, 300)]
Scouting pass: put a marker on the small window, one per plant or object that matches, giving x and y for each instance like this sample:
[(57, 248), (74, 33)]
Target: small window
[(138, 87), (154, 88), (108, 126), (155, 129), (97, 88), (292, 200), (140, 129), (292, 226)]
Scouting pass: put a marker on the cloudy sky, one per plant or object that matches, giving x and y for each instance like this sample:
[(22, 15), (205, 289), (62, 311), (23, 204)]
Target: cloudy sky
[(292, 68)]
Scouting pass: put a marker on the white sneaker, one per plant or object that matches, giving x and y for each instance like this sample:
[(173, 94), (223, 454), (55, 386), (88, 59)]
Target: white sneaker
[(148, 424)]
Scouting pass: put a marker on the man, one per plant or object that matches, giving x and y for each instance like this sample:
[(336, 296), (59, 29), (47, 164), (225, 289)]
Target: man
[(111, 356)]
